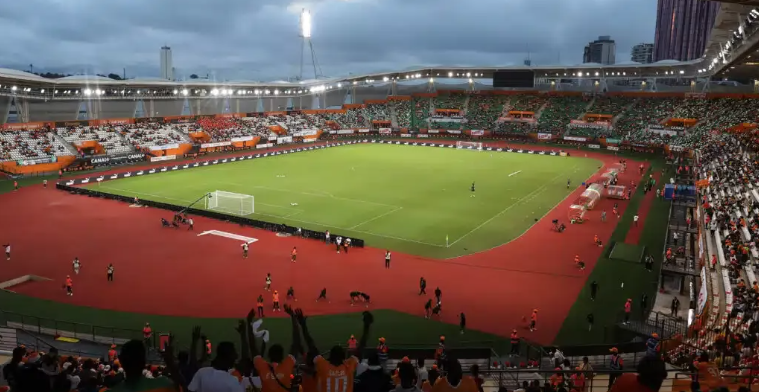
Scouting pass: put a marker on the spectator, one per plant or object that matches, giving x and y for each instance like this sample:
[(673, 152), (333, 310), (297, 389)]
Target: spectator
[(650, 376), (133, 359), (216, 378), (374, 378)]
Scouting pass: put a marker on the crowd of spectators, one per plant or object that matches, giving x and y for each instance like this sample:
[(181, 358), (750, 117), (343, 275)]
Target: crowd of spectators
[(519, 128), (352, 118), (559, 111), (610, 105), (378, 112), (450, 101), (402, 111), (150, 134), (421, 112), (527, 103), (484, 110), (111, 141), (645, 112), (33, 144)]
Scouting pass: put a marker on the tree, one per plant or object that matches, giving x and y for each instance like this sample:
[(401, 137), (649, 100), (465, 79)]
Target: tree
[(193, 76)]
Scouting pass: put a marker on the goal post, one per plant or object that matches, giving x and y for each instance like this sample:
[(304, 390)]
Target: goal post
[(230, 203), (469, 145)]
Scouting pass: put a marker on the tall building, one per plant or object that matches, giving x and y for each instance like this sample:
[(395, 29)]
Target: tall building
[(643, 53), (683, 28), (601, 51), (167, 69)]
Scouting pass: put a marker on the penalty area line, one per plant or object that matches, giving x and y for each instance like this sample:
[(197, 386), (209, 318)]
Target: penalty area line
[(376, 217), (515, 173)]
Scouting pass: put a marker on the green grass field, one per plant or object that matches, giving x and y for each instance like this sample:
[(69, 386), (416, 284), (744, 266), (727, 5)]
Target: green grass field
[(405, 198)]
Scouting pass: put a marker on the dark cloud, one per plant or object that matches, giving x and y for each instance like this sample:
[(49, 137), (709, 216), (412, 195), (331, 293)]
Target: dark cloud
[(243, 39)]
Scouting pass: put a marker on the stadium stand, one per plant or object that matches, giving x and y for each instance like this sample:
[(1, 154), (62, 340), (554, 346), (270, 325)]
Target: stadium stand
[(558, 111), (402, 111), (37, 144), (150, 134), (111, 141)]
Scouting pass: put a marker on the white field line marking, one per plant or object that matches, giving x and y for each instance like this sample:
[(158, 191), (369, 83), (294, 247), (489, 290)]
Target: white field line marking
[(530, 228), (325, 194), (376, 217), (515, 173), (290, 219), (531, 195)]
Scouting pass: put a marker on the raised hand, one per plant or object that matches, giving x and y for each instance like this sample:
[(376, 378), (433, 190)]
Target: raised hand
[(241, 327), (289, 310), (300, 317), (251, 315), (368, 318), (195, 333)]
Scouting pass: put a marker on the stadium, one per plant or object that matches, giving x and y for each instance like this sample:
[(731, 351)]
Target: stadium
[(544, 223)]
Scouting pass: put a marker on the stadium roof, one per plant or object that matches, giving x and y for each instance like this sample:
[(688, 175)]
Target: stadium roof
[(659, 69)]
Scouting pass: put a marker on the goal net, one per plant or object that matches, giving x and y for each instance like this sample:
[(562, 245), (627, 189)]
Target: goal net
[(230, 203), (469, 145)]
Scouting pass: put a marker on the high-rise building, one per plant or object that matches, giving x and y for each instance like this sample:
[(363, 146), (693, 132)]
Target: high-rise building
[(643, 53), (683, 28), (167, 69), (601, 51)]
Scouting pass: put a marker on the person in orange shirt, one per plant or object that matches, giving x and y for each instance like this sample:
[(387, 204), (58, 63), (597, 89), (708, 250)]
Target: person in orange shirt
[(112, 353), (578, 380), (69, 286), (260, 306), (276, 374), (454, 380), (336, 373), (579, 263), (534, 320), (275, 299), (293, 254)]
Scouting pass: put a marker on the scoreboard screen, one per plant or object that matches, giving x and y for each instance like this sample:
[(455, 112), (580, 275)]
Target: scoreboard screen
[(514, 79)]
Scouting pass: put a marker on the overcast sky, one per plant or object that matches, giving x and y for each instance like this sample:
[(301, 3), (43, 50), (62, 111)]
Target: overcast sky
[(258, 39)]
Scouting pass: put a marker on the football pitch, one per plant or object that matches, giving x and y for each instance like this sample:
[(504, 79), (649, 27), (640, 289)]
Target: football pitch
[(410, 199)]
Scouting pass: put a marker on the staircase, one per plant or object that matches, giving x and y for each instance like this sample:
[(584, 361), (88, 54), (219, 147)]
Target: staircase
[(393, 117), (131, 147), (432, 106), (540, 111), (587, 109), (622, 113), (70, 147), (466, 106)]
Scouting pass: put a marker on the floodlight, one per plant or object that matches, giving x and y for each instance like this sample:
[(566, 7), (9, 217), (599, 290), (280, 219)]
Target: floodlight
[(185, 92), (276, 92), (432, 80), (176, 92), (305, 23), (385, 79), (339, 85), (87, 92), (14, 88), (214, 92)]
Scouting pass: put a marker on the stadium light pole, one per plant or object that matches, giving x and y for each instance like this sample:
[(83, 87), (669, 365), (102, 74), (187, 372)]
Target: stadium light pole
[(305, 35)]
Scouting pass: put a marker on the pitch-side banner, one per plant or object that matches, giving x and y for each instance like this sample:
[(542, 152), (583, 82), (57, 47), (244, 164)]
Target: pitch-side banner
[(241, 139), (216, 144), (612, 148), (545, 136), (433, 131), (703, 293), (454, 132), (164, 147), (363, 131), (385, 131), (477, 132), (163, 158), (594, 146), (305, 132), (265, 145), (575, 138), (284, 139)]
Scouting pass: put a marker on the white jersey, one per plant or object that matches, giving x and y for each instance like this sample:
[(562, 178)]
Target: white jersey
[(339, 240), (76, 264), (245, 247), (7, 249), (347, 242), (387, 256)]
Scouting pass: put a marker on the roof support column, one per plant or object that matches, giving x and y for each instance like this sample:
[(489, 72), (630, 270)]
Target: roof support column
[(186, 108)]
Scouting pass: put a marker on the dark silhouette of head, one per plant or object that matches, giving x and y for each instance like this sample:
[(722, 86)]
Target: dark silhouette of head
[(132, 359), (276, 353), (652, 372), (336, 355), (373, 359), (226, 356), (407, 375), (453, 367)]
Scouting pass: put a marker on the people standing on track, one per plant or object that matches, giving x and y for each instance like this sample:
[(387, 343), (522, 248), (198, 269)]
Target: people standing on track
[(244, 250), (44, 183), (326, 237), (69, 286), (294, 254), (438, 297), (534, 320), (346, 244), (593, 290), (387, 259), (7, 251), (322, 295), (422, 286), (109, 272), (291, 294), (76, 264), (428, 309), (338, 243), (267, 285), (15, 185), (190, 224), (462, 322), (275, 301), (260, 306), (603, 216)]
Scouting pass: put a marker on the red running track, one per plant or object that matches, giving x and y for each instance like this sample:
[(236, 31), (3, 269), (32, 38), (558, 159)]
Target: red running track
[(496, 288)]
